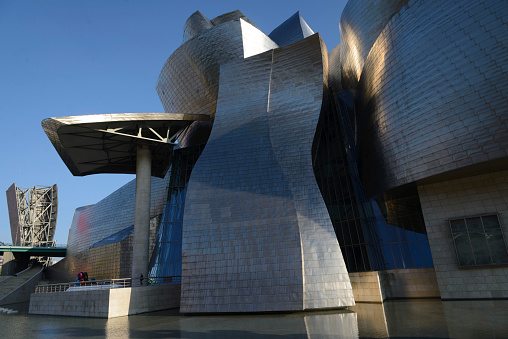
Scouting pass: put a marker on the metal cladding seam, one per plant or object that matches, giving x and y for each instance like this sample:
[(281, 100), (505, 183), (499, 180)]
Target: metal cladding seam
[(434, 93)]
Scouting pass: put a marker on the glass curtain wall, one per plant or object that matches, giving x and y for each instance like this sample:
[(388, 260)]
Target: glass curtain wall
[(166, 260), (368, 242)]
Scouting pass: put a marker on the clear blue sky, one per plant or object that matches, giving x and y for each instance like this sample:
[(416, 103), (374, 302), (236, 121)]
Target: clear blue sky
[(61, 58)]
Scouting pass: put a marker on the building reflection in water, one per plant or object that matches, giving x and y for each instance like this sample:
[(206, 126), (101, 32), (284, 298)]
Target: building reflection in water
[(430, 318), (331, 325), (433, 319), (421, 318), (477, 318)]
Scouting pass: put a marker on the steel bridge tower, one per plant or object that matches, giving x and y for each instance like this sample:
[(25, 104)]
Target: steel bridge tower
[(32, 215)]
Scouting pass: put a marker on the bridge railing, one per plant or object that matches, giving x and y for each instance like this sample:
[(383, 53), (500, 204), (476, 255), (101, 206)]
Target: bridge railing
[(41, 245), (85, 285)]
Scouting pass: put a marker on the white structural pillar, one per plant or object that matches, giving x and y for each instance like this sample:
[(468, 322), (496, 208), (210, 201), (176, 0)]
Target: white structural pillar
[(141, 215)]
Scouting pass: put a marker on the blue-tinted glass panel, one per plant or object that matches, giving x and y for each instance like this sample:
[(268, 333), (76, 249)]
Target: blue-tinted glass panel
[(397, 256), (410, 235), (417, 254), (367, 241), (166, 259), (392, 233), (388, 256), (427, 256), (421, 236), (401, 233), (407, 255)]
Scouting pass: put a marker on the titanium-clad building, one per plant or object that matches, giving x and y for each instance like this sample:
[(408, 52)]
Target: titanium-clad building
[(379, 170)]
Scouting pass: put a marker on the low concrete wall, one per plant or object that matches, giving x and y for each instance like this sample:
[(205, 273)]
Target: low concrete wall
[(409, 283), (375, 287), (106, 303), (22, 293), (9, 264), (366, 287)]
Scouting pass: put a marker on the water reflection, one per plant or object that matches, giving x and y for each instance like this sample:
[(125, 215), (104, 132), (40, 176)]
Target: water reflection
[(395, 319), (415, 318), (477, 319)]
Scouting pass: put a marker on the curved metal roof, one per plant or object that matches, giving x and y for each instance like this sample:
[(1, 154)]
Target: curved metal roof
[(107, 143)]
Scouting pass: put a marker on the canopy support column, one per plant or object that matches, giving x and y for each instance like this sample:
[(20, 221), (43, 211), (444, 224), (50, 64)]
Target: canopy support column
[(141, 215)]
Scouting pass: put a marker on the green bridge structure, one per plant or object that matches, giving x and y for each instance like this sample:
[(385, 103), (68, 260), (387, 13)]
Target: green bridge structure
[(17, 258), (35, 251)]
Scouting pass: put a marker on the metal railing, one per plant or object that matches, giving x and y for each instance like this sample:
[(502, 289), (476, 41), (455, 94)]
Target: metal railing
[(162, 280), (46, 244), (104, 284), (84, 285)]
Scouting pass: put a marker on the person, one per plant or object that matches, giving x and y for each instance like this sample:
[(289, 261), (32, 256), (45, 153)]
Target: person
[(141, 279)]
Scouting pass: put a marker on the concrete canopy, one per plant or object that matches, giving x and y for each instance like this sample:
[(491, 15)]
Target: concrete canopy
[(107, 143)]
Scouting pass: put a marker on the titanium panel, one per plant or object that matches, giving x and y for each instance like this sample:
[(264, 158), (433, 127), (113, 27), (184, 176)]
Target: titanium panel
[(112, 214), (257, 236), (335, 69), (360, 24), (291, 30), (194, 25), (299, 76), (198, 23), (189, 80), (435, 86), (231, 16)]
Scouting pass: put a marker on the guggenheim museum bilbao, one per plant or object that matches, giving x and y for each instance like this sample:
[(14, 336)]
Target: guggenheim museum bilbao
[(283, 176)]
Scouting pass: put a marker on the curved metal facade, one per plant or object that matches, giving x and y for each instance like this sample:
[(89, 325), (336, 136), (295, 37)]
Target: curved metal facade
[(189, 80), (111, 215), (360, 25), (194, 25), (257, 236), (434, 92)]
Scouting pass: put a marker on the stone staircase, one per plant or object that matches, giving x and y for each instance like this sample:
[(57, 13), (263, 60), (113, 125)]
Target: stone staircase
[(11, 283)]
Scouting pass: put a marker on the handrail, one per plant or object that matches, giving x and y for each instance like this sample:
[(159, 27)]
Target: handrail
[(84, 285), (103, 284), (163, 280), (16, 274)]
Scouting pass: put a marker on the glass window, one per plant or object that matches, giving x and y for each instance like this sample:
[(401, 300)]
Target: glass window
[(479, 240)]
